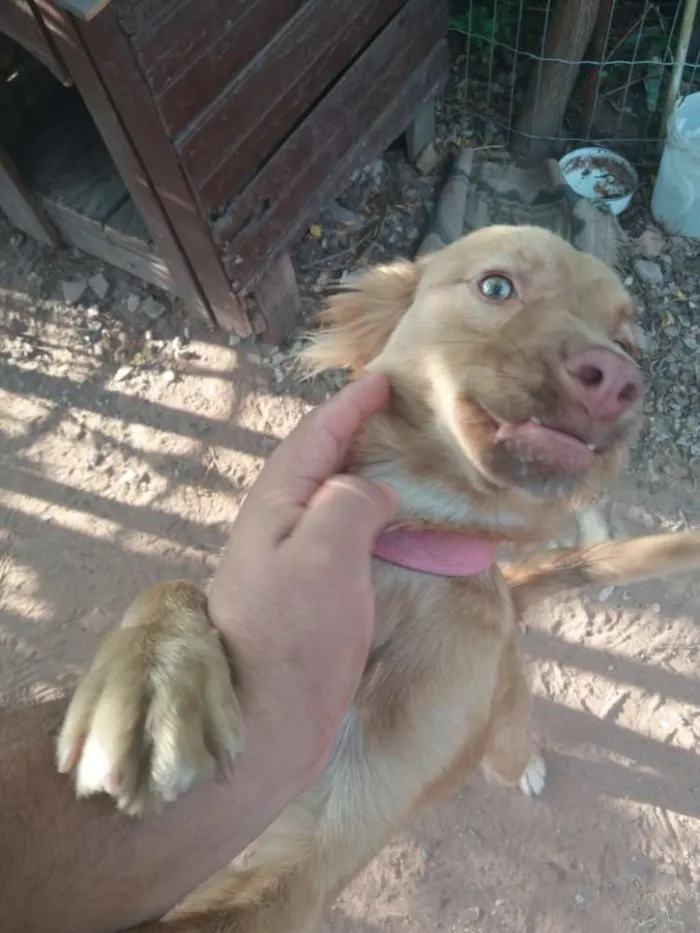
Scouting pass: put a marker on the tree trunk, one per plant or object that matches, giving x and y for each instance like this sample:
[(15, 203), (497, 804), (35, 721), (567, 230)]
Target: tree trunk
[(551, 82)]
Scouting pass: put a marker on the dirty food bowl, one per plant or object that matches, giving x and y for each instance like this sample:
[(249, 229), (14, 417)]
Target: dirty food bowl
[(600, 175)]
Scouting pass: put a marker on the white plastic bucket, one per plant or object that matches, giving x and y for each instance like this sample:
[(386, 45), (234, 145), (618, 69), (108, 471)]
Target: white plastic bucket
[(675, 203)]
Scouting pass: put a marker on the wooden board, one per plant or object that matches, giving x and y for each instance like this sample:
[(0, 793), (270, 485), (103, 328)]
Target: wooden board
[(160, 170), (100, 104), (111, 246), (229, 142), (255, 251), (288, 181), (19, 22), (204, 45), (20, 205), (327, 132), (127, 221)]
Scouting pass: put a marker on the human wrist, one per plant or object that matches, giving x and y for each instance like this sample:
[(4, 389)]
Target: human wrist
[(285, 737)]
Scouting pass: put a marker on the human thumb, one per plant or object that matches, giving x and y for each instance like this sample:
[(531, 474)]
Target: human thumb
[(348, 512)]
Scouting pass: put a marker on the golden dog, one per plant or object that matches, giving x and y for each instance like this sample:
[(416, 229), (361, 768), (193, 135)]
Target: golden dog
[(514, 395)]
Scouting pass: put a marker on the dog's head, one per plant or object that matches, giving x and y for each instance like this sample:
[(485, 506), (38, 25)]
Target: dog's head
[(516, 346)]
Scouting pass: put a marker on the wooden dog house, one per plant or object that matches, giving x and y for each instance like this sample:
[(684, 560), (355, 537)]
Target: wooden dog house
[(193, 141)]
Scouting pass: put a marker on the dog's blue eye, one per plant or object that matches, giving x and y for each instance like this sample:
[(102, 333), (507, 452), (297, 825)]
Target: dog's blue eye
[(497, 288)]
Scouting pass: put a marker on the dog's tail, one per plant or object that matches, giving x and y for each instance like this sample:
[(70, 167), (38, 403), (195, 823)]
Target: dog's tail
[(610, 563)]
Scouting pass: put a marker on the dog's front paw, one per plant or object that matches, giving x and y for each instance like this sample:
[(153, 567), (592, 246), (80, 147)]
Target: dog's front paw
[(534, 777), (157, 712)]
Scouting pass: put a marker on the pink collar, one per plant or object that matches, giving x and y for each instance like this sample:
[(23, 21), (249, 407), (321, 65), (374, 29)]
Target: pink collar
[(443, 553)]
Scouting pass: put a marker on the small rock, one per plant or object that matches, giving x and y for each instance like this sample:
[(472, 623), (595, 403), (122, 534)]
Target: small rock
[(133, 303), (471, 915), (233, 340), (99, 284), (651, 243), (73, 291), (72, 430), (648, 272), (123, 373), (377, 169), (645, 341), (97, 458), (428, 159), (169, 377), (341, 215), (606, 593), (153, 309)]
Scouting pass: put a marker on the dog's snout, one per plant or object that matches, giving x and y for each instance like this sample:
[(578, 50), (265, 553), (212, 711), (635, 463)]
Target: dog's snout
[(606, 383)]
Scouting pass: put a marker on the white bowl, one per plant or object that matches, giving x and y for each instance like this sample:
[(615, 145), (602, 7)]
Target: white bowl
[(600, 175)]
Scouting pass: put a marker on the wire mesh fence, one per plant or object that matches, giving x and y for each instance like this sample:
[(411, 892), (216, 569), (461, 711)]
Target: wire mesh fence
[(544, 77)]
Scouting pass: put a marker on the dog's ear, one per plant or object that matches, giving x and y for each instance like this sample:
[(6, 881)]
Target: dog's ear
[(356, 323)]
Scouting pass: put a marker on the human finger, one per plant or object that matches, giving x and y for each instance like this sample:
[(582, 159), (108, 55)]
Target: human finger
[(346, 515), (314, 451)]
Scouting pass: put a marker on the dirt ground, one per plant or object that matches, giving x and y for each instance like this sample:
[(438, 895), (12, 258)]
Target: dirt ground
[(126, 445)]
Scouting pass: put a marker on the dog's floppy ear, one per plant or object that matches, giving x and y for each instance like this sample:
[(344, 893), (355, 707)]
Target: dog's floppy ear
[(356, 323)]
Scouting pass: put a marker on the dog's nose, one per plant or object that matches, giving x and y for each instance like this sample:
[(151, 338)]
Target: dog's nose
[(604, 382)]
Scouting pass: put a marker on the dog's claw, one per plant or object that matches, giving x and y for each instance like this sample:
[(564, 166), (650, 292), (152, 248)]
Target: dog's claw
[(534, 777)]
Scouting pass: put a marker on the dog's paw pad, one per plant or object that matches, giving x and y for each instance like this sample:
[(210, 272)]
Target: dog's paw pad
[(534, 777)]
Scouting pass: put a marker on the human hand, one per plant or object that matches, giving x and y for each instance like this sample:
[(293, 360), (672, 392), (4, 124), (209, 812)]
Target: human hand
[(292, 596)]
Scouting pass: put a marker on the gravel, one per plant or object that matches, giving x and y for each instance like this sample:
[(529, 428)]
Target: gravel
[(650, 273)]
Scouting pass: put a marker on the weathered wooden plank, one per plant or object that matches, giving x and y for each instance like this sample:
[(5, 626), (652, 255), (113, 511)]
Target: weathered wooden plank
[(133, 100), (129, 222), (167, 47), (19, 21), (200, 85), (202, 47), (253, 251), (20, 205), (83, 9), (227, 146), (96, 98), (326, 133), (111, 246)]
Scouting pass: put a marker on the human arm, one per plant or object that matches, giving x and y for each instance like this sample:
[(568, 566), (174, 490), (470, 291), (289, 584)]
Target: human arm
[(291, 595)]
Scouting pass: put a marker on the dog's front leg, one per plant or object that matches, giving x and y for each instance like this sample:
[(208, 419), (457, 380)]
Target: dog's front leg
[(156, 712), (510, 755)]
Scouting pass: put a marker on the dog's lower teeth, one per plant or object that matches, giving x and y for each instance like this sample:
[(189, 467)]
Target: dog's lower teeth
[(591, 447), (536, 421)]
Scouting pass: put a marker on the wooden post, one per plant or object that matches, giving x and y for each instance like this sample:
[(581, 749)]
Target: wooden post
[(597, 52), (20, 206), (278, 298), (421, 130), (552, 81)]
